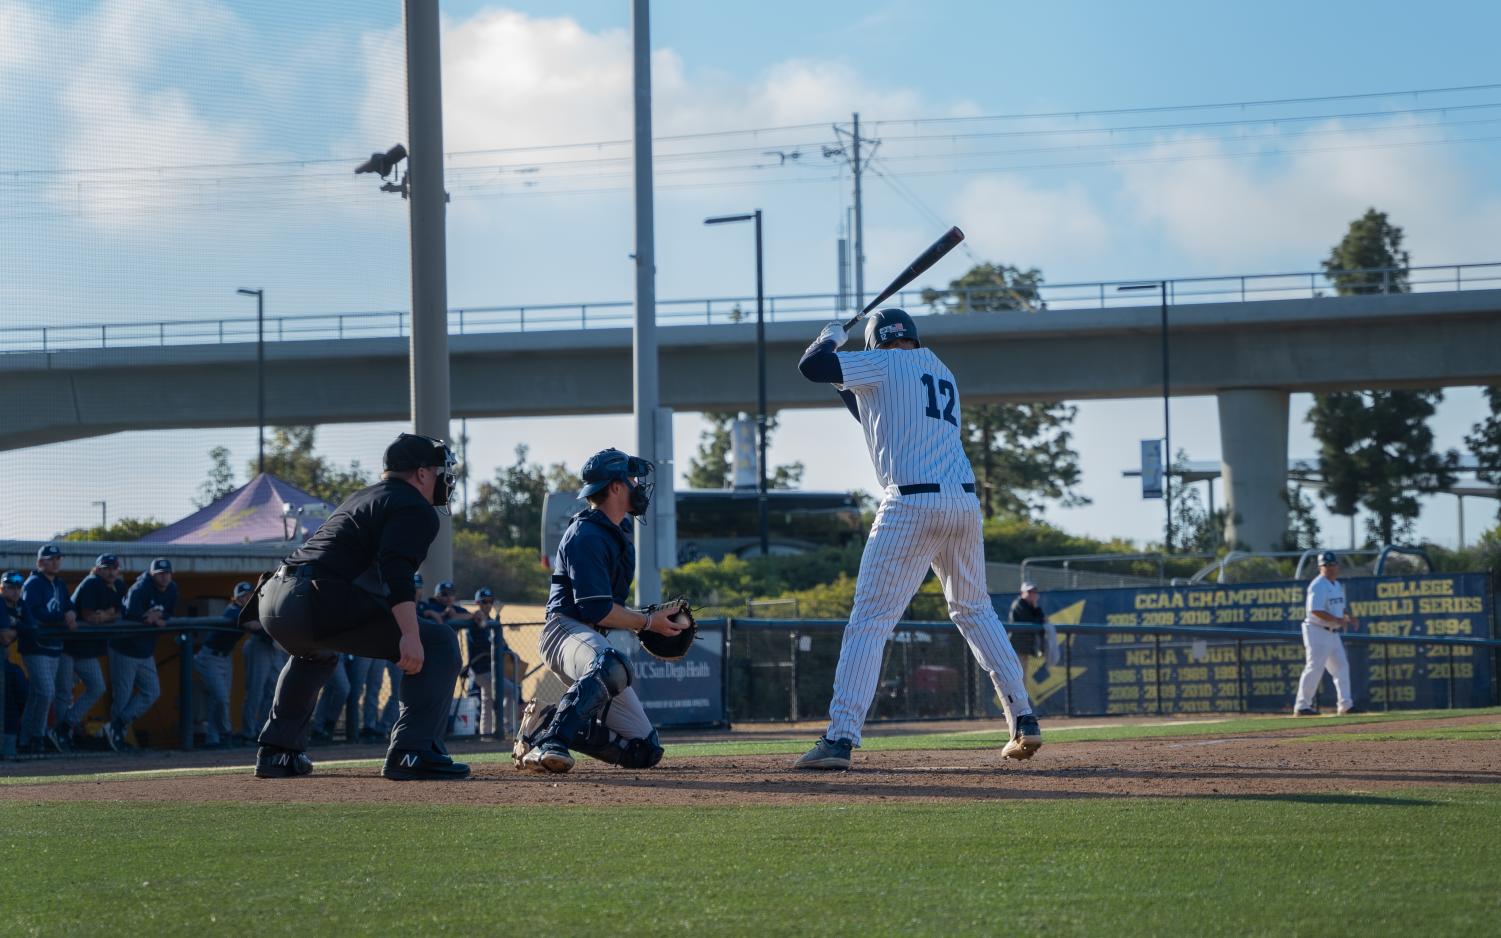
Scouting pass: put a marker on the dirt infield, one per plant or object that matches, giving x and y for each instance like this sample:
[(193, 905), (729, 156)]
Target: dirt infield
[(1262, 764)]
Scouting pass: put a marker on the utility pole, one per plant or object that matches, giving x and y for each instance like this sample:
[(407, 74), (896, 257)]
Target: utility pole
[(859, 223), (644, 364), (429, 339)]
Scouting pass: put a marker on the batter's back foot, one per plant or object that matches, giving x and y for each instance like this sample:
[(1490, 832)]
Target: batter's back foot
[(1026, 740)]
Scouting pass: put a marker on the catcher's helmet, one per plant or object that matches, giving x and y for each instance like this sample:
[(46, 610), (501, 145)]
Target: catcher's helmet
[(888, 325), (611, 465)]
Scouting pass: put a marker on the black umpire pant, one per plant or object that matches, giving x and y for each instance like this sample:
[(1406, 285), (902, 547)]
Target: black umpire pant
[(316, 619)]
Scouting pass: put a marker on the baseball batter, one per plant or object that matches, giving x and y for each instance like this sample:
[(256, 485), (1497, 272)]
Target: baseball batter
[(907, 401), (1323, 649)]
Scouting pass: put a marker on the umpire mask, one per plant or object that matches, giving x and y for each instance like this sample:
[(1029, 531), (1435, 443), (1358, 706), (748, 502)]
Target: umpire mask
[(411, 451)]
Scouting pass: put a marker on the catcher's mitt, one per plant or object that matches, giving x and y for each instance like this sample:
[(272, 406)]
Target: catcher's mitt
[(670, 647)]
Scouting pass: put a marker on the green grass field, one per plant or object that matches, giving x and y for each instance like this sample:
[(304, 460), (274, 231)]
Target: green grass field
[(1342, 863), (1297, 865)]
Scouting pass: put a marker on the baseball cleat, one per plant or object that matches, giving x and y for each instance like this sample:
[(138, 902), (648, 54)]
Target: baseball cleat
[(1344, 711), (549, 756), (827, 754), (61, 741), (1026, 740), (275, 762), (1305, 712), (406, 765)]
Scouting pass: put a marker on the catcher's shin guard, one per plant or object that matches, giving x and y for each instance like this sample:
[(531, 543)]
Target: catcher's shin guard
[(586, 700), (599, 742)]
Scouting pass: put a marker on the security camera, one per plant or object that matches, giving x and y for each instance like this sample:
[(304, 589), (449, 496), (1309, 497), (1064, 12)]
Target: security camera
[(383, 163)]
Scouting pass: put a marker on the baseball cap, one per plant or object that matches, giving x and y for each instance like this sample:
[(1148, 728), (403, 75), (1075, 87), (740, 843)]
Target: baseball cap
[(444, 586), (1028, 587), (161, 565), (242, 587), (12, 578), (48, 550), (1328, 558), (410, 451), (483, 593), (107, 560), (611, 465), (416, 579)]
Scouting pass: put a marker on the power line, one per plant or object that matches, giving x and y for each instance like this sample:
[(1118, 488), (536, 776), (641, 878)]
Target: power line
[(1163, 108)]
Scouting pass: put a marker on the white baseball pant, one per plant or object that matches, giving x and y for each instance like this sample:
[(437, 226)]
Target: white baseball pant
[(911, 533), (1324, 651)]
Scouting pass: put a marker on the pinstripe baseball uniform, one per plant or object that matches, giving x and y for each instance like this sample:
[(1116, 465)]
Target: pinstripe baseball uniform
[(907, 402)]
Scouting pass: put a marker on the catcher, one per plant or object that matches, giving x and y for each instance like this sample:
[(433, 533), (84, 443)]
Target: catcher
[(600, 714)]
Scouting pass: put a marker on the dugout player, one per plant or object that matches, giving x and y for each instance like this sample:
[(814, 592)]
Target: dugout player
[(907, 401), (348, 589), (1323, 649), (600, 714)]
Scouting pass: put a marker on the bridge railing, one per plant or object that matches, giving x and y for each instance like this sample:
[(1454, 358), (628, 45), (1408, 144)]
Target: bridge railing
[(473, 320)]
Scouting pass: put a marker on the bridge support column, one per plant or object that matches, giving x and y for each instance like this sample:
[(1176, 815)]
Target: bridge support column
[(1253, 444)]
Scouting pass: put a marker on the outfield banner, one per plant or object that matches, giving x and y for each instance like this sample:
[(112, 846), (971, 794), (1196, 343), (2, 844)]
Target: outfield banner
[(687, 692), (1132, 671)]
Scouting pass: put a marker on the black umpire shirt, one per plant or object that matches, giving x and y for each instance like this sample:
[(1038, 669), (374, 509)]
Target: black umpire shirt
[(386, 528)]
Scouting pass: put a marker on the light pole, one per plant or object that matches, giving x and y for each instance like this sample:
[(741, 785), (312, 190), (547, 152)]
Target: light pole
[(761, 505), (1167, 425), (104, 518), (260, 376)]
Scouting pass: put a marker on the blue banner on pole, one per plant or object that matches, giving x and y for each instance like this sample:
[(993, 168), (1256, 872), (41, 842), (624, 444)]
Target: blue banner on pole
[(687, 692)]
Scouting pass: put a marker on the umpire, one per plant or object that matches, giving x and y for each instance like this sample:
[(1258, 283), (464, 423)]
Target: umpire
[(349, 590)]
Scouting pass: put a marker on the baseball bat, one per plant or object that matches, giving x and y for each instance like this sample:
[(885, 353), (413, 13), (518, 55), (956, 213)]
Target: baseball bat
[(926, 259)]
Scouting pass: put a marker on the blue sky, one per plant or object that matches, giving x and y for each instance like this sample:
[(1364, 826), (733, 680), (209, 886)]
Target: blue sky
[(179, 82)]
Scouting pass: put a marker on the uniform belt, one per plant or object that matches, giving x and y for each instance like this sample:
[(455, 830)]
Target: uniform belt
[(929, 488), (296, 571), (1326, 628)]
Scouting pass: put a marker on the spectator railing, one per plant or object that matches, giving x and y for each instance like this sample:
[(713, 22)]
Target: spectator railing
[(618, 314)]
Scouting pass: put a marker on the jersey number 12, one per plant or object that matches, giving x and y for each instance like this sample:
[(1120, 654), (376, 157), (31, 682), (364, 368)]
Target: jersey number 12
[(934, 389)]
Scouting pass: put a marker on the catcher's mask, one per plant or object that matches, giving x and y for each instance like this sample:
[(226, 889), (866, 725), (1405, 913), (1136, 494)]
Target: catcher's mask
[(612, 465)]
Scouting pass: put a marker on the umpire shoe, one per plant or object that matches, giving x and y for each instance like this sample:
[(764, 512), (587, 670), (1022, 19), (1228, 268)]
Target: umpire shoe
[(828, 754), (1026, 740), (408, 765), (548, 756), (276, 762)]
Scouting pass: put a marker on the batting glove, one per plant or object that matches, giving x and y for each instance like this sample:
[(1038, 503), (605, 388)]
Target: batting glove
[(834, 332)]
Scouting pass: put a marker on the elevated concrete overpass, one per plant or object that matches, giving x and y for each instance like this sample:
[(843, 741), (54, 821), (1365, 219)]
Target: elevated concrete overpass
[(1250, 354)]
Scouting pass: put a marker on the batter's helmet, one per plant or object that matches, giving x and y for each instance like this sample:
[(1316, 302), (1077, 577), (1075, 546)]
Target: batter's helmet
[(888, 325)]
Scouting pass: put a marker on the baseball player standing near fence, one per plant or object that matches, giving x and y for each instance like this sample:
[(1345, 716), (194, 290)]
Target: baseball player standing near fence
[(907, 401), (348, 590), (1326, 616)]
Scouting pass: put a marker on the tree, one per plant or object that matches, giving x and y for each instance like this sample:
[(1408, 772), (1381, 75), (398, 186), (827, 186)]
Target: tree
[(1376, 452), (1302, 527), (1022, 453), (711, 467), (1485, 441), (515, 574), (1370, 259), (290, 457), (220, 481), (124, 529), (989, 288), (1195, 528), (507, 510), (1375, 449)]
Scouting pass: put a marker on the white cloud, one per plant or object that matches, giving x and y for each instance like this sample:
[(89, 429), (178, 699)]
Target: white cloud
[(1011, 221), (1233, 211), (510, 79)]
